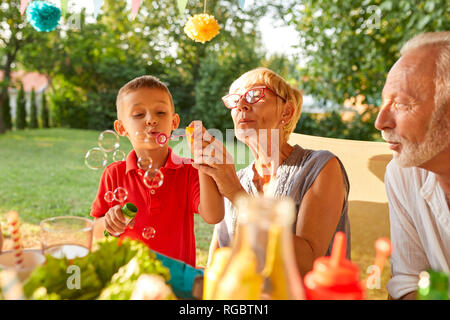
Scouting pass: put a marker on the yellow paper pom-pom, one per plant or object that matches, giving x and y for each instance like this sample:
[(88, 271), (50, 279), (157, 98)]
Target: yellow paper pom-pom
[(201, 27)]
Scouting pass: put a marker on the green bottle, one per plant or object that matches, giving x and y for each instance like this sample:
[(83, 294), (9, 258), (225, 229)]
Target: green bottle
[(129, 210), (433, 285)]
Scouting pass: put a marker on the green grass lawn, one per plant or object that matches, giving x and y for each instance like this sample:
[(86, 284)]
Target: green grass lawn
[(42, 174)]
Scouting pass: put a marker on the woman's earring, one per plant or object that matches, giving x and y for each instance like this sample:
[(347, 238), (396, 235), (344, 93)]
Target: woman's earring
[(282, 121)]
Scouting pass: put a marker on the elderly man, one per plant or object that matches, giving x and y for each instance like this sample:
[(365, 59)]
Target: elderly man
[(415, 120)]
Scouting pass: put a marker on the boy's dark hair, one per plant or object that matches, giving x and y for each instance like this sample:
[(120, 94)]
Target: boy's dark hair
[(150, 82)]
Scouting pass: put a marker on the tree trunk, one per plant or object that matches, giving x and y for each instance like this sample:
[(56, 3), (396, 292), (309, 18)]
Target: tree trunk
[(2, 125), (4, 90)]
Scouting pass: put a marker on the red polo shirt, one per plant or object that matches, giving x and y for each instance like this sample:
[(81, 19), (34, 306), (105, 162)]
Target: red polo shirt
[(169, 209)]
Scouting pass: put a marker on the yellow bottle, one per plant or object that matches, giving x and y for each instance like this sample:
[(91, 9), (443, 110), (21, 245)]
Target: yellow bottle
[(212, 273), (273, 271), (262, 264), (240, 280)]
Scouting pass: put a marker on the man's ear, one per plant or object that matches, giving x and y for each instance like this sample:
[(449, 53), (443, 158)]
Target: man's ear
[(175, 121), (119, 127)]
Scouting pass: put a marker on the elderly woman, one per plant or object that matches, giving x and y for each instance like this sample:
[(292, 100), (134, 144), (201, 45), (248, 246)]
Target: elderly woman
[(265, 110)]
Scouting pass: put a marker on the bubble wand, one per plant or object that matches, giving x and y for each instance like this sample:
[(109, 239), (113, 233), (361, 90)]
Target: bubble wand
[(162, 138)]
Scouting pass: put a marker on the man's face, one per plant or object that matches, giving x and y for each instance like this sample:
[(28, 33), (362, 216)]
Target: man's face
[(408, 120), (143, 114)]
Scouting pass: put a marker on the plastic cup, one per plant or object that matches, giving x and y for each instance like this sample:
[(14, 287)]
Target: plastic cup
[(66, 236), (31, 259)]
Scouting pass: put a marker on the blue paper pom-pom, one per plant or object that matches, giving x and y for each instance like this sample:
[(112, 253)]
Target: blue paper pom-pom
[(43, 16)]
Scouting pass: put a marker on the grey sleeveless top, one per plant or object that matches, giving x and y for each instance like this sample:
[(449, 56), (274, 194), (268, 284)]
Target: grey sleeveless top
[(294, 178)]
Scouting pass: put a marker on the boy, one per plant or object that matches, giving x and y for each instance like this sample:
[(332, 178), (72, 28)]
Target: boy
[(145, 108)]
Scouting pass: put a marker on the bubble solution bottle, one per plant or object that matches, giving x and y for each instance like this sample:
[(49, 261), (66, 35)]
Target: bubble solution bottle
[(129, 211), (262, 263), (334, 277)]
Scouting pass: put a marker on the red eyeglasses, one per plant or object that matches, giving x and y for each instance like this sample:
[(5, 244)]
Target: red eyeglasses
[(252, 95)]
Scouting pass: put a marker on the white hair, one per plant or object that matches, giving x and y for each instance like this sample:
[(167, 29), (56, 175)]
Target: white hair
[(440, 40)]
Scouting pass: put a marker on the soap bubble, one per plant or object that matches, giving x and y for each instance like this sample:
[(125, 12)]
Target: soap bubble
[(95, 158), (108, 141), (161, 138), (109, 196), (120, 194), (118, 155), (142, 137), (145, 163), (148, 233), (153, 178)]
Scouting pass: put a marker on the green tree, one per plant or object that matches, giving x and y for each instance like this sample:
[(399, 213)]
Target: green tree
[(33, 110), (88, 66), (349, 46), (329, 125), (15, 33), (216, 74), (21, 111), (6, 112), (45, 116)]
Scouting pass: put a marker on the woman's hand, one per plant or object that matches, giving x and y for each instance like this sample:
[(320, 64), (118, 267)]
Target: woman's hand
[(212, 158)]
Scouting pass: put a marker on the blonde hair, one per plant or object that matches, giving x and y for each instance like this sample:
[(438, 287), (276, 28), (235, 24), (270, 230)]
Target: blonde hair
[(440, 40), (278, 85), (149, 82)]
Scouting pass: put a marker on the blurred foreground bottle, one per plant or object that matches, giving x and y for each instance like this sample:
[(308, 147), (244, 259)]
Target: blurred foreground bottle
[(213, 272), (262, 263), (334, 277), (433, 285)]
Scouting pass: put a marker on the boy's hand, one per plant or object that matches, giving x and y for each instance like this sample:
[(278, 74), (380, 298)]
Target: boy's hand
[(212, 158), (115, 222), (205, 148), (198, 140)]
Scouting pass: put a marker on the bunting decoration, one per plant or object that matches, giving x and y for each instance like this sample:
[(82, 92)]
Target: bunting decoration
[(43, 16), (181, 5), (135, 4), (23, 6), (201, 27), (242, 4), (97, 6)]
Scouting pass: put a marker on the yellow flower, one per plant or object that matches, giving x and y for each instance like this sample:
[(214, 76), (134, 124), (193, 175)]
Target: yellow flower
[(201, 27)]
